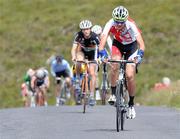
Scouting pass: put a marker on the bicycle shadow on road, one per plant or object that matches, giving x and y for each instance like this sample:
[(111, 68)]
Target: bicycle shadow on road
[(104, 130)]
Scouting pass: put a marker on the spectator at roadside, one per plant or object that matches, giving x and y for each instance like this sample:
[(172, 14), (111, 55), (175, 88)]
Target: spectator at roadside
[(162, 85)]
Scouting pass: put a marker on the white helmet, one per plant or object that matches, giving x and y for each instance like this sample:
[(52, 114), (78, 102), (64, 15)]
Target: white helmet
[(85, 24), (40, 73), (45, 71), (166, 80), (120, 14), (97, 29)]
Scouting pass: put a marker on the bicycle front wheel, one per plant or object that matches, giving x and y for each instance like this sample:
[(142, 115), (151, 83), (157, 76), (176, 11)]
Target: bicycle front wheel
[(120, 114)]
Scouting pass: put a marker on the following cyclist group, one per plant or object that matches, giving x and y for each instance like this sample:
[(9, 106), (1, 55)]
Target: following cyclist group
[(90, 44)]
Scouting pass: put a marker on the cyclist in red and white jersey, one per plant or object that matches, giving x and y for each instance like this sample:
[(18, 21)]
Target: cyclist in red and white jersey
[(127, 41)]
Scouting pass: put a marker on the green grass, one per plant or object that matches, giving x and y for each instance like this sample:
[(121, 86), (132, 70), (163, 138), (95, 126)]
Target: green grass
[(166, 97), (33, 30)]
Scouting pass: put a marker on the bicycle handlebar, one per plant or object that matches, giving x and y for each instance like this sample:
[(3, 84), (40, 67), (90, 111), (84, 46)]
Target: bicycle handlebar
[(86, 61), (121, 61)]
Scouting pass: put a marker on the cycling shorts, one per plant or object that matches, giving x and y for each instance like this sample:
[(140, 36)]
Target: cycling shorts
[(39, 82), (89, 55), (63, 73), (126, 50)]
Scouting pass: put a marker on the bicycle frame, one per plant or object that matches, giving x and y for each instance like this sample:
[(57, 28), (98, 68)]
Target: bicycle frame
[(84, 84), (121, 107), (77, 89), (63, 90)]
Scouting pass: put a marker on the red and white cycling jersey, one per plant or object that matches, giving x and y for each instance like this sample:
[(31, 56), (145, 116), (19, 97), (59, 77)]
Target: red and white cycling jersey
[(127, 35)]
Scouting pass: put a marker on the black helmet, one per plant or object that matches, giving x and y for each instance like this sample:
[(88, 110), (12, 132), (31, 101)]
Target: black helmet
[(59, 58)]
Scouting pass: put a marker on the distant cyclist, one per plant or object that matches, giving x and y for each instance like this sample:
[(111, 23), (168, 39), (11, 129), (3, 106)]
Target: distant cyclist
[(98, 30), (87, 42), (26, 90), (128, 41), (78, 70), (39, 84), (61, 68)]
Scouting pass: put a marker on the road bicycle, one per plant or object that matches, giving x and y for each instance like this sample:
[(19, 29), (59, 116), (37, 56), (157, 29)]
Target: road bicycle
[(64, 91), (32, 99), (77, 85), (104, 84), (122, 95), (85, 83)]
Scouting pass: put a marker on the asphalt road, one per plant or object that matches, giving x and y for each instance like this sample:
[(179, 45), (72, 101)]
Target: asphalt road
[(68, 122)]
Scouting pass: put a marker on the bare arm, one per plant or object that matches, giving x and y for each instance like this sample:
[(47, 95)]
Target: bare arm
[(140, 42), (103, 41), (73, 51), (33, 78)]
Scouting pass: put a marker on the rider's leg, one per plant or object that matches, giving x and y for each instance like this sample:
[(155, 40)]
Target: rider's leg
[(57, 91), (114, 73), (25, 94), (38, 95), (116, 55), (130, 74), (92, 73), (114, 76), (68, 82), (47, 84), (42, 96)]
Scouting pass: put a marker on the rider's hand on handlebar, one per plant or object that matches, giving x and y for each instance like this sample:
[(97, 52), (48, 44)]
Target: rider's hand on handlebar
[(73, 59), (139, 57), (102, 53)]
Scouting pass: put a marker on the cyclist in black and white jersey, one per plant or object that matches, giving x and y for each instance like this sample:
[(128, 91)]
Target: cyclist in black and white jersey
[(86, 42)]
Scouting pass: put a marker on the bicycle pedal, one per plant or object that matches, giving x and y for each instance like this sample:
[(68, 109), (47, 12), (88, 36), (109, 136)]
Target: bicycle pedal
[(112, 103)]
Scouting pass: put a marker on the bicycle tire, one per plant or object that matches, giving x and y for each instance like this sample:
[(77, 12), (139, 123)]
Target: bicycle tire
[(120, 115), (118, 118), (121, 108), (77, 96), (103, 96), (122, 119), (84, 103)]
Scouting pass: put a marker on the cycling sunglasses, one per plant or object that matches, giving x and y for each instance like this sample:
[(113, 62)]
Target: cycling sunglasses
[(119, 23)]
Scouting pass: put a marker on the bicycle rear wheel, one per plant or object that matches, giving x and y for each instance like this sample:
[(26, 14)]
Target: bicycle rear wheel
[(103, 96), (77, 96), (118, 118), (122, 119), (84, 103), (84, 90)]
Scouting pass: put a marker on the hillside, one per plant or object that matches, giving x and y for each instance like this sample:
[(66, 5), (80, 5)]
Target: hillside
[(33, 30)]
